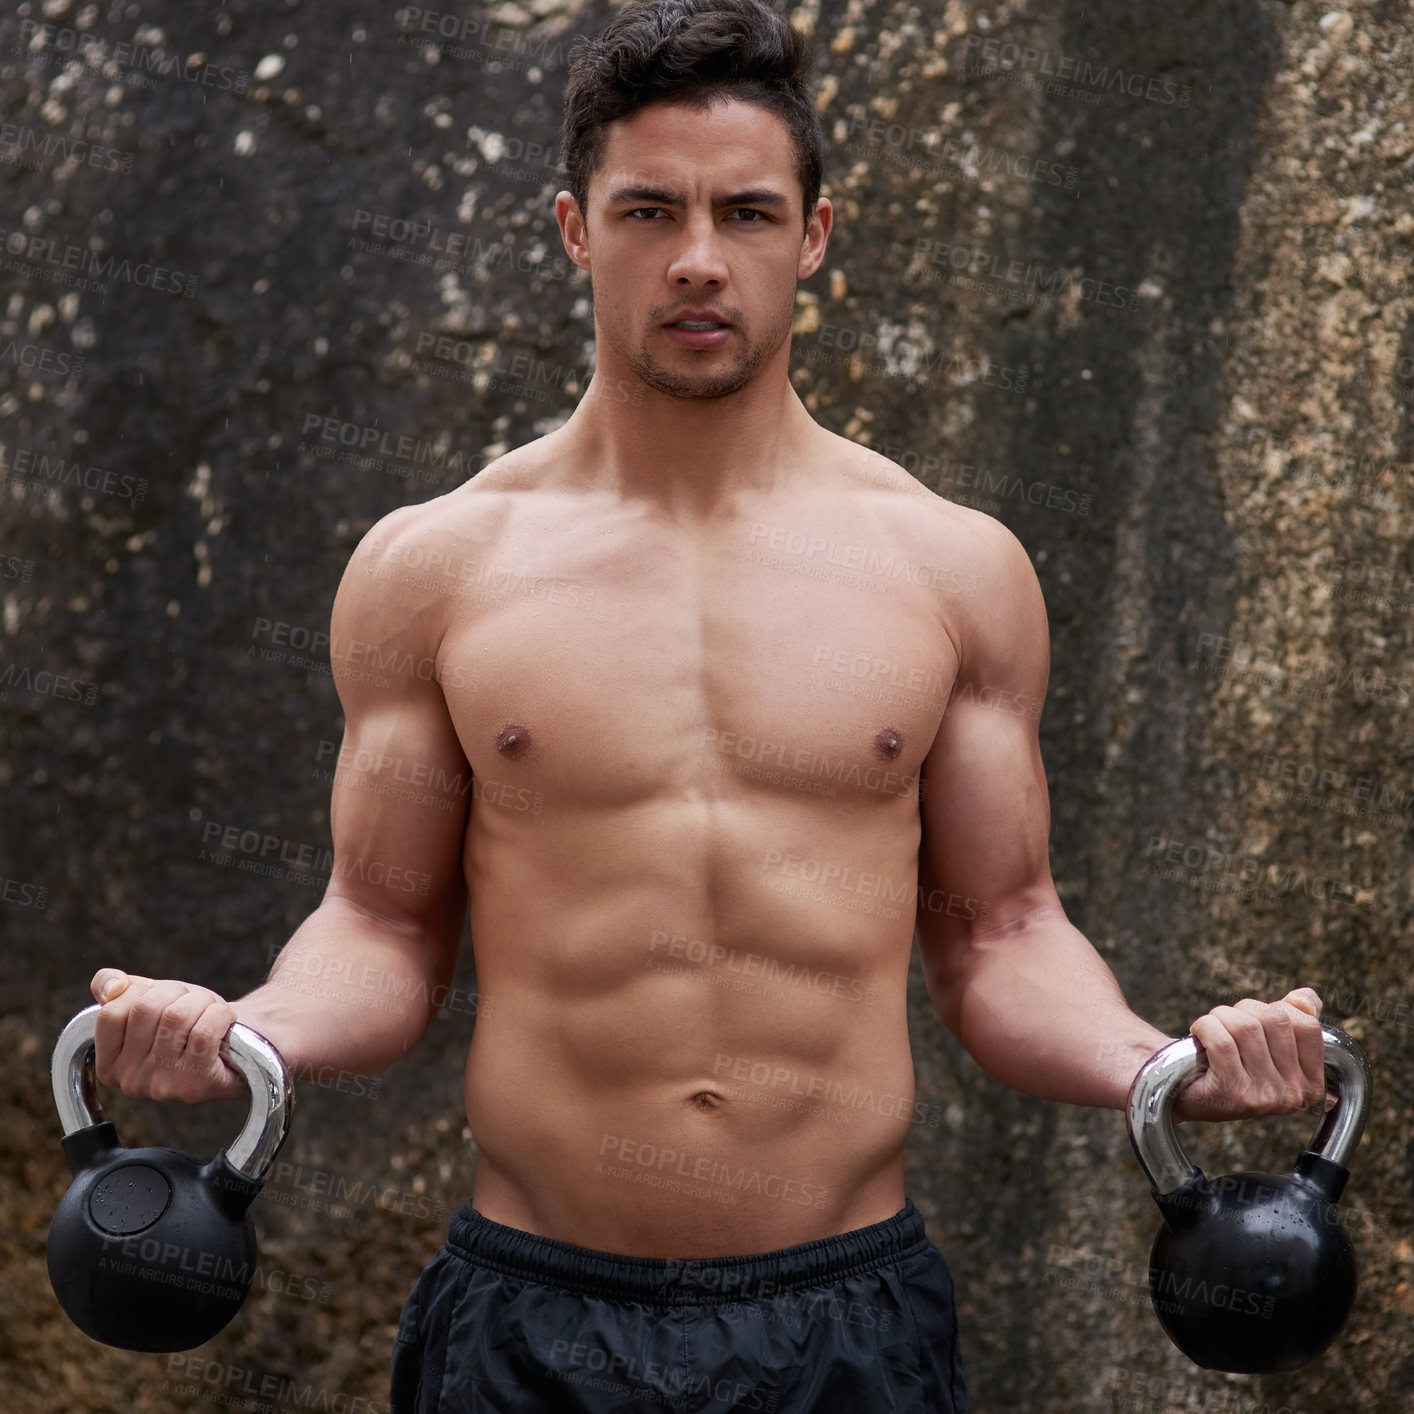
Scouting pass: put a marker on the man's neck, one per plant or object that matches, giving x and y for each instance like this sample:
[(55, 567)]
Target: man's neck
[(689, 459)]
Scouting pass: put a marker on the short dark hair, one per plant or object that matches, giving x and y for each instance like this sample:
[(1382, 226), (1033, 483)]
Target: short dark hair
[(693, 52)]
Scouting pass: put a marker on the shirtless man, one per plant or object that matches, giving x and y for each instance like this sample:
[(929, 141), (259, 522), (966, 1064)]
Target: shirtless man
[(642, 627)]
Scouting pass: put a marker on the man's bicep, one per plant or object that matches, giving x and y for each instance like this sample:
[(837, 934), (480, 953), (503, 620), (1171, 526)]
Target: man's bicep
[(399, 813), (402, 785), (985, 809), (986, 823)]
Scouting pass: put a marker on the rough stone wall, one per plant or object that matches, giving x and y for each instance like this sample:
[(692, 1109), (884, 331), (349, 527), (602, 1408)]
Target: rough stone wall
[(1136, 280)]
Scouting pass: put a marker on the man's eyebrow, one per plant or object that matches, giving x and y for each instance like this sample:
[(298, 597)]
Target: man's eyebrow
[(660, 196)]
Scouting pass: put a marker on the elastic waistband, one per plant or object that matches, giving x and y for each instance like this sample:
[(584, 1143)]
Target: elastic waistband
[(695, 1281)]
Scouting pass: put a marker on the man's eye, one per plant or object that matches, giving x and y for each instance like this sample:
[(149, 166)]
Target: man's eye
[(652, 211)]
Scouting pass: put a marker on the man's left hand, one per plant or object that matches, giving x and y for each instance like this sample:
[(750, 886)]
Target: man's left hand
[(1264, 1058)]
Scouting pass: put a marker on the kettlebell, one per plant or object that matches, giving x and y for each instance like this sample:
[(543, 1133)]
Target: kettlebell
[(1251, 1273), (151, 1249)]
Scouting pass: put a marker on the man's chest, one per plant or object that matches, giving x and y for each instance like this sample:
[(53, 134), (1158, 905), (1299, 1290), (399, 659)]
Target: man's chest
[(604, 663)]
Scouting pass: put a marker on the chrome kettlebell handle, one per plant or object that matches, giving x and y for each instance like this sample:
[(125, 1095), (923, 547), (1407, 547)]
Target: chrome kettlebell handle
[(1168, 1070), (272, 1095)]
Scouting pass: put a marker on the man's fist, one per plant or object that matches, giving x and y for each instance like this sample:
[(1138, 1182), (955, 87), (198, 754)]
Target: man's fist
[(161, 1040), (1264, 1058)]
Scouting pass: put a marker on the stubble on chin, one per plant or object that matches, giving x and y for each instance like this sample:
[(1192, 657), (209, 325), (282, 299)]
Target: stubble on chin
[(699, 386), (675, 383)]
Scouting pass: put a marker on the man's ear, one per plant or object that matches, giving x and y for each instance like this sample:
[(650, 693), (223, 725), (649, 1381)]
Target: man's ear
[(574, 231), (817, 234)]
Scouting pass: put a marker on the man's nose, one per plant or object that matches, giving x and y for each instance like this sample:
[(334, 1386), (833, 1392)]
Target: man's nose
[(699, 258)]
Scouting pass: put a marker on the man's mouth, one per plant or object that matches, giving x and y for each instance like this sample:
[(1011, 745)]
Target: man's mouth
[(697, 325)]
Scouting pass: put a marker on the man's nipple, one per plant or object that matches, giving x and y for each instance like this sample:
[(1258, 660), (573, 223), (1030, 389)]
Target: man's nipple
[(513, 741), (889, 743)]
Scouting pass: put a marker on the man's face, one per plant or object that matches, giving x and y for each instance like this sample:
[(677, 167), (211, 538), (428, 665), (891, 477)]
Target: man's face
[(701, 211)]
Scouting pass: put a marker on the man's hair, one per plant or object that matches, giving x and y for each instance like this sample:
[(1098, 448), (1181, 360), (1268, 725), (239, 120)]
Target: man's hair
[(694, 52)]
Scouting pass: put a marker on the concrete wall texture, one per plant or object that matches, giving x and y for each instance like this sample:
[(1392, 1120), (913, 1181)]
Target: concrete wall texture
[(1136, 280)]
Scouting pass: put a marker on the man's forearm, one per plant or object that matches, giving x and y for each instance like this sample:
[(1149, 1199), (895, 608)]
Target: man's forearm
[(1037, 1008), (348, 990)]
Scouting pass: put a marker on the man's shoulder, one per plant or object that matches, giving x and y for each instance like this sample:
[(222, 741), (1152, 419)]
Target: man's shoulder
[(921, 512), (460, 520)]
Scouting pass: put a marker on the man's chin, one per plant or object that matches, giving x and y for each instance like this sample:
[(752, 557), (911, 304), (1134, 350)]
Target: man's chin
[(692, 390), (695, 387)]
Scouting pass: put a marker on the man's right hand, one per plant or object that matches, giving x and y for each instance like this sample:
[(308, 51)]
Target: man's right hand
[(161, 1040)]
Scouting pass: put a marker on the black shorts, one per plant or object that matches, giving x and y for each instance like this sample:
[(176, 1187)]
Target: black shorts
[(502, 1319)]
